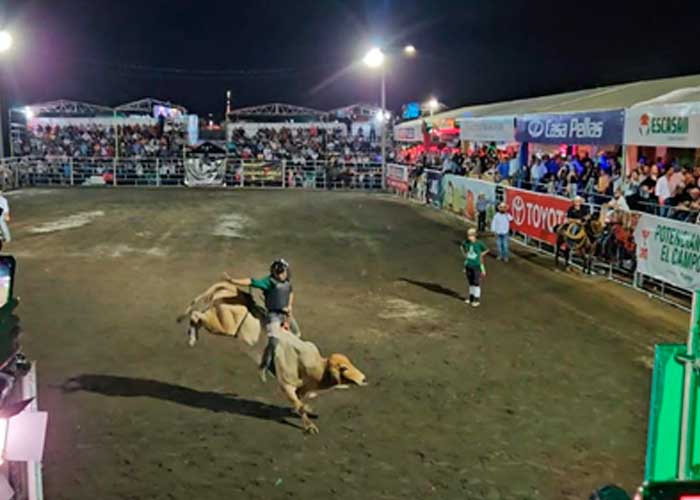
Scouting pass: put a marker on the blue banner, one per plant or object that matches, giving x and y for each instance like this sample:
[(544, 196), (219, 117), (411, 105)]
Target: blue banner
[(595, 127)]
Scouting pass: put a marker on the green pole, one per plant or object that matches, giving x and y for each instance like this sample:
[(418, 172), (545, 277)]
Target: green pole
[(689, 385)]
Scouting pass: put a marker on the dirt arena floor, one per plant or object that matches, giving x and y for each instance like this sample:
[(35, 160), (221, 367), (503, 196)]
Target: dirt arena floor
[(540, 394)]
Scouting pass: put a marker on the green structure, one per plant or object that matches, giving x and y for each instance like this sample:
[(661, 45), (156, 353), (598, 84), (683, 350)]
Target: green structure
[(673, 452)]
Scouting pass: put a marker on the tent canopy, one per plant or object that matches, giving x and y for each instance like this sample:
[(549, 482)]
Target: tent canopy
[(277, 110), (145, 106), (666, 90)]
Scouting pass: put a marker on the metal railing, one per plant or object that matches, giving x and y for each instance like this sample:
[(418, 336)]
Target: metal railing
[(319, 174), (616, 259)]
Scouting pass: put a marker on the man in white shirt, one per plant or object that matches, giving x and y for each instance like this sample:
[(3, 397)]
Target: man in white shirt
[(4, 218), (500, 226)]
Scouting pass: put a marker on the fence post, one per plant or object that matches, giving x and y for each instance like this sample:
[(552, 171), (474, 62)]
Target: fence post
[(158, 172), (114, 172), (284, 173), (72, 172), (242, 179)]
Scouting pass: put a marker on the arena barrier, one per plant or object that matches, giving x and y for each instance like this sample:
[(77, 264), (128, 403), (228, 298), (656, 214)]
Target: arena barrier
[(654, 255), (163, 172), (24, 473)]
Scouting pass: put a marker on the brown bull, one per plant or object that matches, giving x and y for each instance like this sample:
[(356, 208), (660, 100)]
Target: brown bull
[(299, 367)]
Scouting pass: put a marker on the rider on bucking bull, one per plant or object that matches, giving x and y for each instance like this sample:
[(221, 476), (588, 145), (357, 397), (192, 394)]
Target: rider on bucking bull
[(279, 298)]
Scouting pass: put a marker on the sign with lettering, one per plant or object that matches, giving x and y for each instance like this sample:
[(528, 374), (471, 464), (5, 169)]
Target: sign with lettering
[(487, 129), (676, 125), (669, 250), (596, 127), (536, 215)]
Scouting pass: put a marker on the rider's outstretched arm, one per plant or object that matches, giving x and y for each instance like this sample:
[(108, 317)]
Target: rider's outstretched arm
[(240, 281)]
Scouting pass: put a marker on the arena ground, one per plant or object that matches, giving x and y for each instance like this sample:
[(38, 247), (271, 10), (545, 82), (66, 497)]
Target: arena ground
[(541, 393)]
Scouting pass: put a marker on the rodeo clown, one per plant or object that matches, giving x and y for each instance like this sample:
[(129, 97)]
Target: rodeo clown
[(279, 298)]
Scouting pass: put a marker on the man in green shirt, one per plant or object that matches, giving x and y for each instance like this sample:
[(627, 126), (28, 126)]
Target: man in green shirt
[(474, 251), (279, 298)]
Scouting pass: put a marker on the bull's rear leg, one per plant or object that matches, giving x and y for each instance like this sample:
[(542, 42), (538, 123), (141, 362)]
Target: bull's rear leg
[(300, 408), (192, 334)]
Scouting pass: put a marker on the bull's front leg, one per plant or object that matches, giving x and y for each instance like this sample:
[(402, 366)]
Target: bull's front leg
[(300, 408)]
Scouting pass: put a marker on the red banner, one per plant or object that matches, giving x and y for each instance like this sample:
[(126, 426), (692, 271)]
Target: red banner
[(536, 215)]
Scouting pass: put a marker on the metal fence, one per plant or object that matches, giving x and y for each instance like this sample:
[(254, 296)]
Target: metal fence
[(321, 174), (616, 260)]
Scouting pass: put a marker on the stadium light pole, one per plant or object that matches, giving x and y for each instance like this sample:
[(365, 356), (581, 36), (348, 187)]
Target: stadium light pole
[(375, 59), (6, 41)]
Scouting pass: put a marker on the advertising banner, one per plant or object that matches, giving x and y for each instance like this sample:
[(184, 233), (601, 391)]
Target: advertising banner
[(669, 250), (675, 125), (595, 127), (460, 194), (536, 215), (408, 133), (204, 172), (397, 177), (434, 193), (487, 129)]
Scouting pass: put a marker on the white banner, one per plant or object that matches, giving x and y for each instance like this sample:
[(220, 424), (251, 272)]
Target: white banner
[(408, 133), (487, 129), (675, 125), (204, 172), (668, 250)]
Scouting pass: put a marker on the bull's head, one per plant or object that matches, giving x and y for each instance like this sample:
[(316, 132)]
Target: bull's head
[(343, 372)]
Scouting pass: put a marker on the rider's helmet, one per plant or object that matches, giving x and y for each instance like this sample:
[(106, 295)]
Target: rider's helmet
[(278, 267)]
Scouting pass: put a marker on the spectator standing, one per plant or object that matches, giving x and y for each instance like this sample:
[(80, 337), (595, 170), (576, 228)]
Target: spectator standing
[(537, 174), (514, 166), (663, 191), (500, 226), (504, 169), (482, 205)]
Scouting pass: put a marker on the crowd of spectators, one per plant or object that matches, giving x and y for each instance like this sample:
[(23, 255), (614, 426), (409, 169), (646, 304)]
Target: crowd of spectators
[(302, 146), (665, 187), (100, 141)]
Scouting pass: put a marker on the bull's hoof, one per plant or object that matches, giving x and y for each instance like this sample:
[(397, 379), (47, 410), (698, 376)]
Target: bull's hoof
[(311, 429)]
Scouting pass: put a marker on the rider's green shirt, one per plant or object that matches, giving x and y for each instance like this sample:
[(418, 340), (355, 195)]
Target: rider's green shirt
[(472, 251), (265, 284)]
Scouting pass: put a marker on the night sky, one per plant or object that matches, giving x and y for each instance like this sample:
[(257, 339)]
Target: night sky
[(302, 51)]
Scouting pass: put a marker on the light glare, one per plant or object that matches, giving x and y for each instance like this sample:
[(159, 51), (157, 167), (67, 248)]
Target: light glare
[(374, 58), (5, 41)]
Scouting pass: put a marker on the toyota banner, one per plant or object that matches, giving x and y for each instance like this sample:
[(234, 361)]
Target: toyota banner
[(595, 127), (536, 215)]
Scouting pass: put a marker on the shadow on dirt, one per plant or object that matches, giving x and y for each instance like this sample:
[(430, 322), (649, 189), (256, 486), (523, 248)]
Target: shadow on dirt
[(433, 287), (116, 386)]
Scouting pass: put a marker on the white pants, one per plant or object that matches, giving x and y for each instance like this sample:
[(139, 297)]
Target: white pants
[(5, 230)]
